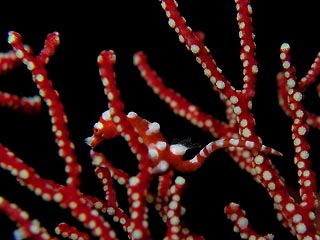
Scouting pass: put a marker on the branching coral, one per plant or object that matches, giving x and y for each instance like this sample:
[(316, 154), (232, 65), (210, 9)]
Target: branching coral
[(157, 159)]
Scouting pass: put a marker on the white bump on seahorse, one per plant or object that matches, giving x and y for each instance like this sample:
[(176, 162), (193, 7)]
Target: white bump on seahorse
[(106, 115), (161, 167), (161, 145), (153, 128), (178, 149), (153, 153)]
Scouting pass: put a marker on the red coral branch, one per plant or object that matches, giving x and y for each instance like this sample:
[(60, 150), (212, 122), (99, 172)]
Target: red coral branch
[(51, 98), (157, 160)]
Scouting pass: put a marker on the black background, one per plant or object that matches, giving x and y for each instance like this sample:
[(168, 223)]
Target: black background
[(130, 26)]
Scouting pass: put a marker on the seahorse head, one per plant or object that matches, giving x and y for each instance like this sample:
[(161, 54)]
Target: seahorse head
[(102, 130)]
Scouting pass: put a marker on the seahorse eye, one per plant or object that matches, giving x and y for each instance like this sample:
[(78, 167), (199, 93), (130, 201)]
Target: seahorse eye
[(97, 128)]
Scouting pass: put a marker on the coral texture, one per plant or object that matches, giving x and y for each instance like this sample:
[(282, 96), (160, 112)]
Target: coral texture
[(132, 178)]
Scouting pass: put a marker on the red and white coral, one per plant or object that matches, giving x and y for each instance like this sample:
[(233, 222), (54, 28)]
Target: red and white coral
[(156, 158)]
